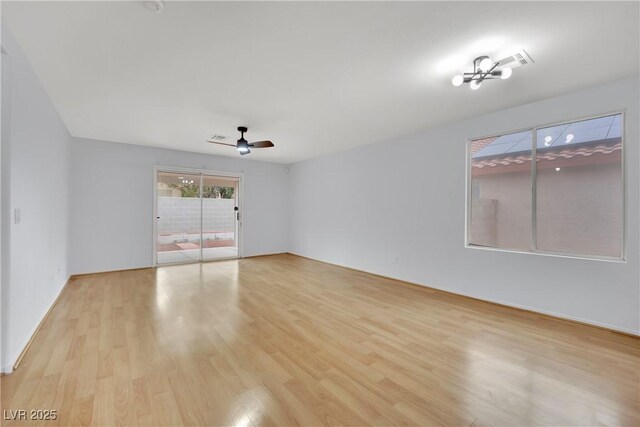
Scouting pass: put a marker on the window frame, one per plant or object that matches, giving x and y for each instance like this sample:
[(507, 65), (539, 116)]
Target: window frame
[(534, 144)]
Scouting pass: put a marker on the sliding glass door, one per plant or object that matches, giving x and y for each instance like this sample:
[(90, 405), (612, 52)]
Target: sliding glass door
[(179, 218), (197, 217), (219, 217)]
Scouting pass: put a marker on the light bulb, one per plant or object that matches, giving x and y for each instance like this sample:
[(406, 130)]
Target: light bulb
[(506, 73), (557, 169), (569, 138), (547, 141), (486, 64), (475, 85), (457, 80)]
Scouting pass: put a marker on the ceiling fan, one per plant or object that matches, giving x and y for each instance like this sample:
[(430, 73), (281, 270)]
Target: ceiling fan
[(243, 146)]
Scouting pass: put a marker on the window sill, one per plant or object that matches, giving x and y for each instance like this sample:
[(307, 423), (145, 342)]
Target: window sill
[(549, 254)]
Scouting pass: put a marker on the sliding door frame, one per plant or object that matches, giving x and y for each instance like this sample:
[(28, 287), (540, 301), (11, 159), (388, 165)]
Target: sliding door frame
[(209, 172)]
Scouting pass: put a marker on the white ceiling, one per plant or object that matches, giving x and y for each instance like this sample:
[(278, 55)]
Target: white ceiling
[(314, 78)]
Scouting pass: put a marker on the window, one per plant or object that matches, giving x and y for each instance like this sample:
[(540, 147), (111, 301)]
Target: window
[(570, 201)]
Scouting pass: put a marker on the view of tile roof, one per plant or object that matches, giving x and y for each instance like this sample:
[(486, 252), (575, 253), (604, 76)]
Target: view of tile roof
[(567, 153), (594, 138)]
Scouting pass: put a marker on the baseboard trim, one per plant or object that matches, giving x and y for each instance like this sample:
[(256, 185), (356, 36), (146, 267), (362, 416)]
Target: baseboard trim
[(530, 310), (84, 275), (35, 332), (266, 255)]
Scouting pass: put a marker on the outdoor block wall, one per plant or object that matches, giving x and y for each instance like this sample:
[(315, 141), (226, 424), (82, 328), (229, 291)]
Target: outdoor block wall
[(562, 223), (182, 215)]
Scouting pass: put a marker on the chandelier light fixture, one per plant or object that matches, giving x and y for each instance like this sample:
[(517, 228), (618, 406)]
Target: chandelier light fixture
[(483, 69)]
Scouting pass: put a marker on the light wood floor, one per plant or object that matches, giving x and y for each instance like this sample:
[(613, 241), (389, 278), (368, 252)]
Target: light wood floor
[(283, 340)]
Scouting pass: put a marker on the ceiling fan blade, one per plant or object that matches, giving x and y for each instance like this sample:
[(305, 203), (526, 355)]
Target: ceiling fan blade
[(221, 143), (261, 144)]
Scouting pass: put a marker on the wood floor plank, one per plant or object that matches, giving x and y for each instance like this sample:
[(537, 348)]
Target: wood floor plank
[(283, 341)]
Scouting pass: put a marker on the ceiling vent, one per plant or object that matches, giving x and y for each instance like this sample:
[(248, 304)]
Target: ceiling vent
[(219, 138), (516, 59), (154, 5)]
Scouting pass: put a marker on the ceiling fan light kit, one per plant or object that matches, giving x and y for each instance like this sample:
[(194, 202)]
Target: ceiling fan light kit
[(484, 68), (243, 146)]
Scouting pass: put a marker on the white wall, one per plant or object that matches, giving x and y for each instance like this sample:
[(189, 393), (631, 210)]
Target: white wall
[(404, 200), (4, 189), (35, 143), (112, 203)]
